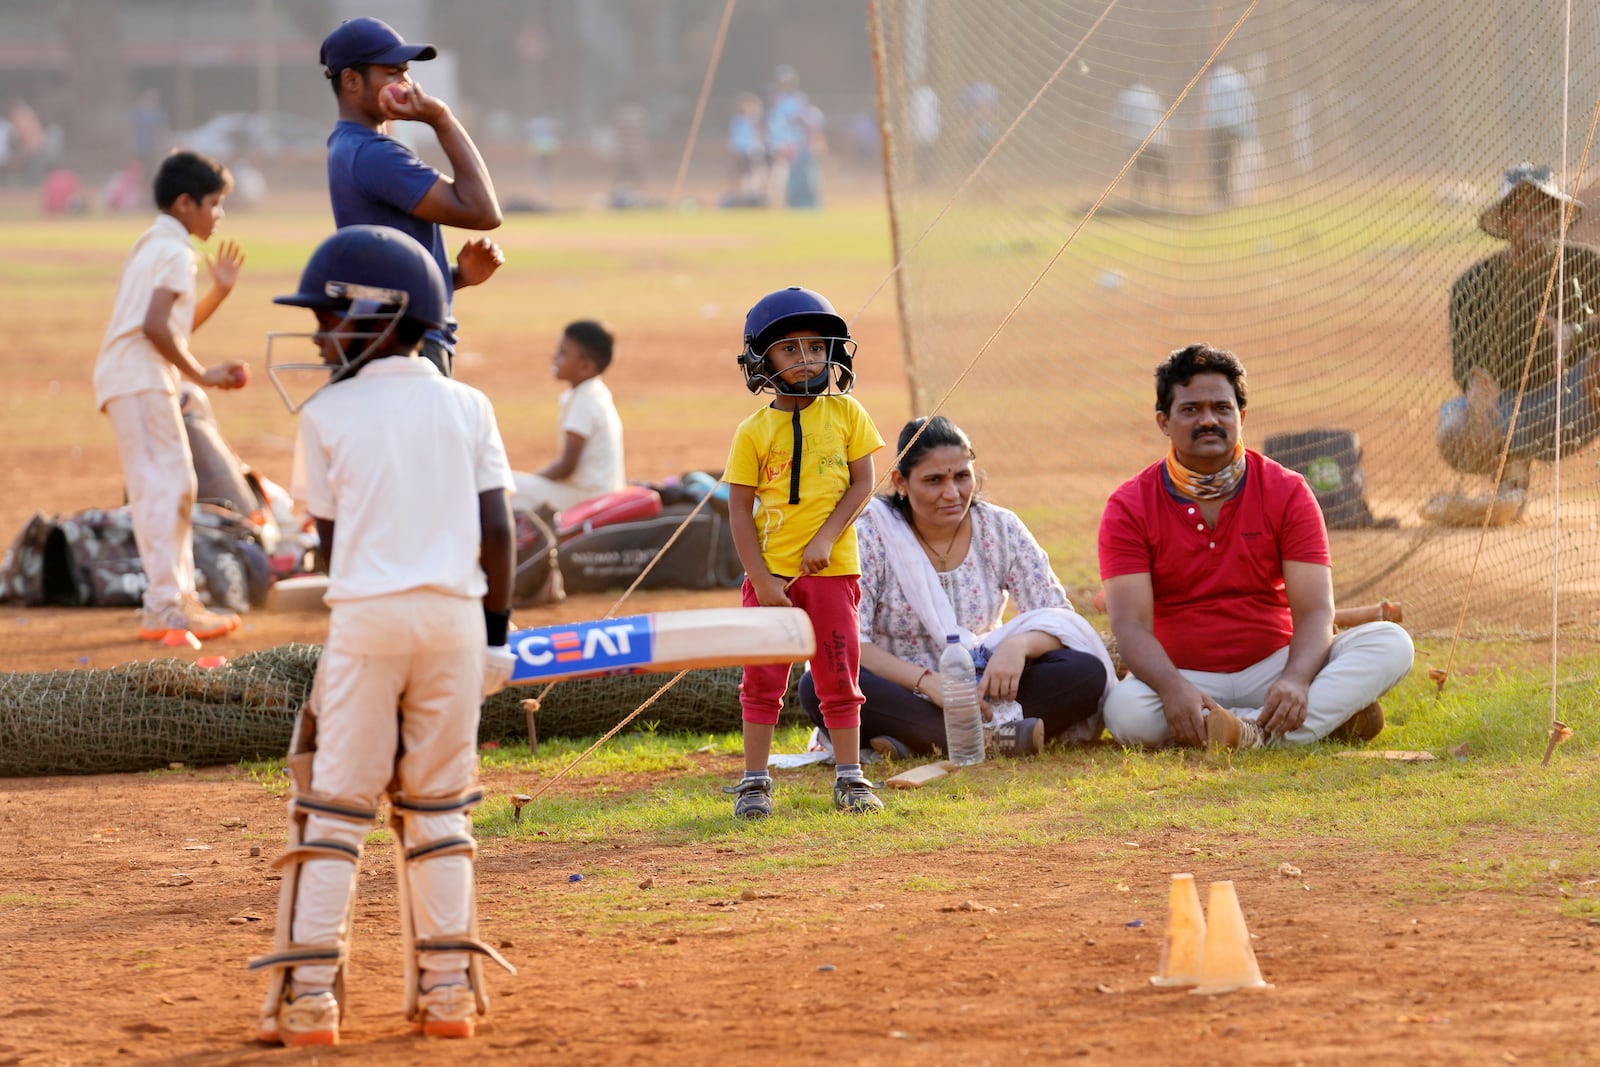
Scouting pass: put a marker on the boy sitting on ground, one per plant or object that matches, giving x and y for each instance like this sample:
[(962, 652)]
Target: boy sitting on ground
[(590, 432)]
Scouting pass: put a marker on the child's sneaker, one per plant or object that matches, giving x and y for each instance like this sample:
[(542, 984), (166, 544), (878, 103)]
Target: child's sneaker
[(309, 1019), (186, 615), (855, 796), (752, 798), (447, 1011)]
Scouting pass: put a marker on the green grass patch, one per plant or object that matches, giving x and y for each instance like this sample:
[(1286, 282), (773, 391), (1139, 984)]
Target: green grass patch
[(1483, 818), (1490, 819)]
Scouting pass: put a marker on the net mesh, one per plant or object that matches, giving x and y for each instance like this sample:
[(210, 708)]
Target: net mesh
[(147, 715), (1309, 205)]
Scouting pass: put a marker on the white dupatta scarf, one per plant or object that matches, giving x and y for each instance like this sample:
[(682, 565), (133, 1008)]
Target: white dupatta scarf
[(920, 583)]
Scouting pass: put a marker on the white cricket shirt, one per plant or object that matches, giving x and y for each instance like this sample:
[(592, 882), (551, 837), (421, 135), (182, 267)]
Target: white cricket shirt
[(587, 410), (162, 258), (396, 457)]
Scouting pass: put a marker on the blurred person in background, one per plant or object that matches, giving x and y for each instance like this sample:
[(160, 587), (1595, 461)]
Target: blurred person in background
[(27, 158), (925, 119), (747, 150), (979, 104), (803, 189), (630, 166), (147, 122), (786, 132), (1139, 110), (544, 144), (1495, 323), (1228, 118)]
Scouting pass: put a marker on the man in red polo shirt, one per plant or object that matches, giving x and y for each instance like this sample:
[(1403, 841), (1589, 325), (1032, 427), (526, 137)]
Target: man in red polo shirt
[(1217, 580)]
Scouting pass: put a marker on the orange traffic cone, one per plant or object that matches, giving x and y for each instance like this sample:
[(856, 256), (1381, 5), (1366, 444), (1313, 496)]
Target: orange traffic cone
[(1184, 948), (1230, 962)]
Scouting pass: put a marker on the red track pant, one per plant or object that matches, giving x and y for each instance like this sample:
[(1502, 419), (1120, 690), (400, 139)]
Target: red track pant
[(832, 603)]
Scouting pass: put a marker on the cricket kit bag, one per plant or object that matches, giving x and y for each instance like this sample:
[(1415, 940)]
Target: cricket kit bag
[(606, 542), (90, 560), (1330, 461)]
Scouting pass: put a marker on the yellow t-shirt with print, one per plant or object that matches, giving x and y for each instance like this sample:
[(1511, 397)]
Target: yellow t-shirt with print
[(835, 431)]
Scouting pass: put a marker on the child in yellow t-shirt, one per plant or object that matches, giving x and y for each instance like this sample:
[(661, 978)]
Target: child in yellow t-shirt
[(798, 471)]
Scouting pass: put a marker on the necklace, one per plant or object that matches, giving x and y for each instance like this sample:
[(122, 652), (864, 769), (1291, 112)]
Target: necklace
[(944, 557)]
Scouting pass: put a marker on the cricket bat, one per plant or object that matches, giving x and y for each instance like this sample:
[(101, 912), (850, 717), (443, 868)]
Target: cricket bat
[(663, 641), (1385, 611)]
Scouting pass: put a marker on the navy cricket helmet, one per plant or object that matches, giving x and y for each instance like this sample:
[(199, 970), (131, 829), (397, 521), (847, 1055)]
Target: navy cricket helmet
[(787, 311), (377, 267), (373, 278)]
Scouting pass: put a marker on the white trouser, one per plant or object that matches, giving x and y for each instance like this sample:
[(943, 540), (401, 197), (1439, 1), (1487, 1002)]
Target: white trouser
[(535, 489), (158, 470), (422, 653), (1364, 663)]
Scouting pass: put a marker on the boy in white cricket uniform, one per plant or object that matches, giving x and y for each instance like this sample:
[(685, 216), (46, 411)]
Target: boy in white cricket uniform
[(136, 377), (590, 463), (406, 475)]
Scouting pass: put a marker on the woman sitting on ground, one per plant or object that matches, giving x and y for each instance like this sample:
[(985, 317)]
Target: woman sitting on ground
[(937, 560)]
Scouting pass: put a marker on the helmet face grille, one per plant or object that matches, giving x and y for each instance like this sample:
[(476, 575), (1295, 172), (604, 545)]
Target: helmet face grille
[(797, 311), (833, 374)]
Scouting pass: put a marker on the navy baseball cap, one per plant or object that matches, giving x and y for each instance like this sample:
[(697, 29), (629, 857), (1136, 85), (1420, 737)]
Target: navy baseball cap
[(367, 40)]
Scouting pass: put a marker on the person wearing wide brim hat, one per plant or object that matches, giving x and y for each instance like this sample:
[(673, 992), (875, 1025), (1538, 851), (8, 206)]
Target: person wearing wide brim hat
[(1526, 184), (1495, 321)]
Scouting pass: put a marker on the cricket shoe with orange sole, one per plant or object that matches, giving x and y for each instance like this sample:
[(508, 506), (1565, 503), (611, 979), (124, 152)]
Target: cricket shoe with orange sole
[(309, 1019), (188, 615), (447, 1011)]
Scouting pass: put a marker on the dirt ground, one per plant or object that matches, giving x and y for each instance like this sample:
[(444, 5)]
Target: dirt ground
[(146, 900)]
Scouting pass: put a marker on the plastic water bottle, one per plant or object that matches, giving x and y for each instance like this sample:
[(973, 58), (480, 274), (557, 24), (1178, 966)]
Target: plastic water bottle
[(963, 721)]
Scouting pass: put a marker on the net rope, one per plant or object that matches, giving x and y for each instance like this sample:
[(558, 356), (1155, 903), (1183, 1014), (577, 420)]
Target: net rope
[(1351, 209), (1415, 549), (883, 478)]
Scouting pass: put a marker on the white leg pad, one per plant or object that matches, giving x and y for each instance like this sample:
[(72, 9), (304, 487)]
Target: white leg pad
[(437, 894), (287, 953)]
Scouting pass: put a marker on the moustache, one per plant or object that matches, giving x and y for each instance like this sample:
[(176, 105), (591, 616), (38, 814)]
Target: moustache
[(1211, 431)]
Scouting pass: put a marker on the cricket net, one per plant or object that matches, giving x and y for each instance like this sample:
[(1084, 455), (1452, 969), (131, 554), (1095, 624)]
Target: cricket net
[(146, 715), (1309, 205)]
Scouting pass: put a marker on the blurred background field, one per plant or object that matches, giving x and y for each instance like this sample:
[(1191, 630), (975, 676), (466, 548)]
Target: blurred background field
[(674, 287)]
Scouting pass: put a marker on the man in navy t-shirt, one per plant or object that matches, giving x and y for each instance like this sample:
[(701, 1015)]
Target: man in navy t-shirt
[(373, 179)]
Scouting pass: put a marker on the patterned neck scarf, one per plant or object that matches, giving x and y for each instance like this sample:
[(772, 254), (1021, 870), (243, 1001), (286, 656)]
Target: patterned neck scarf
[(1218, 486)]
